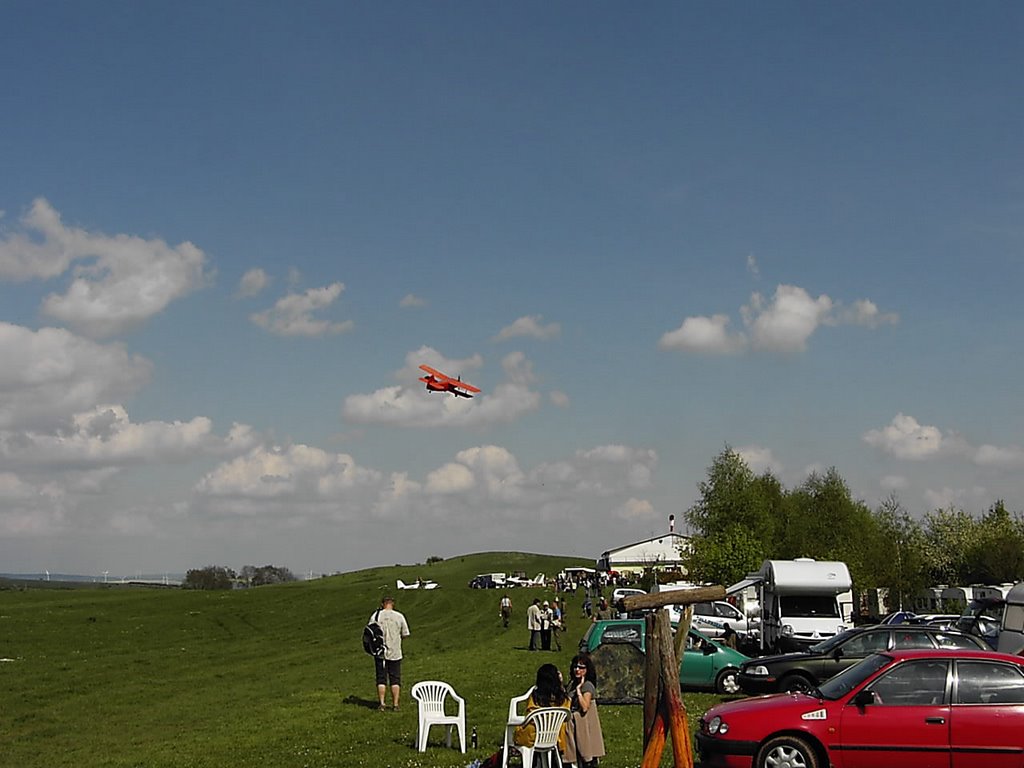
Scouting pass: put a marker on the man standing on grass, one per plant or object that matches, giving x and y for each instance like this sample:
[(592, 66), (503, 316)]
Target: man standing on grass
[(533, 623), (389, 668)]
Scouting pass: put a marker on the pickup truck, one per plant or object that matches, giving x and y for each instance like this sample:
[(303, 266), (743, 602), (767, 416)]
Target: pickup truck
[(617, 647)]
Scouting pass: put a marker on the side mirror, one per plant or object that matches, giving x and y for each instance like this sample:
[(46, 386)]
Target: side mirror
[(707, 649), (863, 698), (837, 654)]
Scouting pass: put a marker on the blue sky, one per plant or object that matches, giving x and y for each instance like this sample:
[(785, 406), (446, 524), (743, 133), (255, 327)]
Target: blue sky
[(230, 232)]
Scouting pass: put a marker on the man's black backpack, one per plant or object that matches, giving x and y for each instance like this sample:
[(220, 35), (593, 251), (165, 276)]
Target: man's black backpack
[(373, 637)]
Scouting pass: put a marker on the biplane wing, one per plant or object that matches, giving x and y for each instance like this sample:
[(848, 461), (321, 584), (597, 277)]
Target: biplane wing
[(442, 382)]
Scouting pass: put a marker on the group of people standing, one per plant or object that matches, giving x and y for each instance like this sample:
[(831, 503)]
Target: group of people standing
[(580, 740), (545, 621)]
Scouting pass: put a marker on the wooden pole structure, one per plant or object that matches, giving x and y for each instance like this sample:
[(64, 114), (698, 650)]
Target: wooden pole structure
[(664, 711), (652, 672)]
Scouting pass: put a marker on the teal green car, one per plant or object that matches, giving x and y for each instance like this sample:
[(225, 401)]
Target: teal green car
[(617, 647)]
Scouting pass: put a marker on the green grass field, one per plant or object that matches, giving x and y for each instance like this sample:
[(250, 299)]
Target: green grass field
[(117, 677)]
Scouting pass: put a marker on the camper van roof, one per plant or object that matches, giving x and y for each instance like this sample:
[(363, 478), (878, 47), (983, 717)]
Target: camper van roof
[(1016, 594), (806, 575)]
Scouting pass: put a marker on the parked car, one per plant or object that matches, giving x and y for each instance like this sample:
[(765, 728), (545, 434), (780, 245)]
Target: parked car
[(900, 709), (804, 670), (618, 647), (945, 620), (620, 592)]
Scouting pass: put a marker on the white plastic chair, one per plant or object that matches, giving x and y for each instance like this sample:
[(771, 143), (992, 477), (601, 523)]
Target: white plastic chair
[(548, 721), (514, 719), (430, 696)]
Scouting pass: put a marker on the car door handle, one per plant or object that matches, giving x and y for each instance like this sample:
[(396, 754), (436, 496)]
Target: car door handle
[(935, 720)]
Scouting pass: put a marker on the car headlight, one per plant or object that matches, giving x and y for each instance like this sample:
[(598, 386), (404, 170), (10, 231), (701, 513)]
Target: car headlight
[(759, 670), (716, 727), (787, 630)]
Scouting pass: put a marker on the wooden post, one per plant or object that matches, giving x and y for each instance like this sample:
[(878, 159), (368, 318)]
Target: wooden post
[(664, 711), (652, 672), (672, 699)]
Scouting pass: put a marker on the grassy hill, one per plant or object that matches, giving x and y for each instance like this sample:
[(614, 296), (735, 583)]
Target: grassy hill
[(273, 677)]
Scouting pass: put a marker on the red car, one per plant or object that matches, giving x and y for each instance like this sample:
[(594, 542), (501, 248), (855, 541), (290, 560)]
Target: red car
[(930, 708)]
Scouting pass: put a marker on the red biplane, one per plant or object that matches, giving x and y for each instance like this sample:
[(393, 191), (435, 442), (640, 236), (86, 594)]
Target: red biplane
[(440, 382)]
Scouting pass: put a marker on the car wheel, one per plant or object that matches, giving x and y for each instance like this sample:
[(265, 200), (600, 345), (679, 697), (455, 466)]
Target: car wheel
[(728, 682), (795, 684), (786, 752)]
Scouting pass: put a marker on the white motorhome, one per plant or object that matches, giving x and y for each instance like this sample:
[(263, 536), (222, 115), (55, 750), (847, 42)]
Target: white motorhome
[(803, 601), (1011, 634), (998, 617)]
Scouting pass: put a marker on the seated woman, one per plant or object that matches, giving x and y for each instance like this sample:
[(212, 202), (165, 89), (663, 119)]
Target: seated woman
[(547, 693), (585, 740)]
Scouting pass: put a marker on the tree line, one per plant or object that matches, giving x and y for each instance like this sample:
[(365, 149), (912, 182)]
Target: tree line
[(219, 577), (742, 519)]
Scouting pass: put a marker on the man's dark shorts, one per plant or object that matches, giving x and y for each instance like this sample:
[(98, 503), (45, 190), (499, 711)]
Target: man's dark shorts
[(388, 672)]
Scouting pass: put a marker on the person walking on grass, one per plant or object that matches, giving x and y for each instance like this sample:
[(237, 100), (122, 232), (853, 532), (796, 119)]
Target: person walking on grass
[(505, 610), (389, 667)]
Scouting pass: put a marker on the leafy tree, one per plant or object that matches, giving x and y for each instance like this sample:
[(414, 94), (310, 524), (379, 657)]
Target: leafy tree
[(895, 554), (735, 520), (265, 574), (210, 577), (950, 535), (725, 557), (823, 521), (997, 555)]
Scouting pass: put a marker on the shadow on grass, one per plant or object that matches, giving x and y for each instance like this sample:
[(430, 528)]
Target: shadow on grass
[(356, 701)]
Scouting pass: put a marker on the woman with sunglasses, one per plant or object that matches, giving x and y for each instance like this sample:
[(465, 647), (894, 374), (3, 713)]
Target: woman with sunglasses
[(585, 742)]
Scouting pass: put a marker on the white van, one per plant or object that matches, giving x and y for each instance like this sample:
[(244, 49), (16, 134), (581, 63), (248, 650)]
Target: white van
[(711, 617), (803, 601)]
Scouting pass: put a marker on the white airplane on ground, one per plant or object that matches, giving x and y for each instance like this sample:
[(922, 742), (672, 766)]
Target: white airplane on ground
[(537, 581), (418, 584)]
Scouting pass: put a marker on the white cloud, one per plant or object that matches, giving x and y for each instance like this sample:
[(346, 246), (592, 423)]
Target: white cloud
[(787, 322), (865, 313), (296, 471), (905, 438), (119, 282), (709, 335), (409, 405), (559, 398), (292, 315), (894, 483), (104, 436), (963, 498), (752, 267), (24, 258), (782, 325), (50, 374), (999, 457), (451, 478), (634, 510), (411, 301), (252, 283), (530, 326), (760, 459)]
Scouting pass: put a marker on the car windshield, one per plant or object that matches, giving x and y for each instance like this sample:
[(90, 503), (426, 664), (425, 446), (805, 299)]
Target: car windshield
[(840, 685), (826, 646), (809, 606)]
